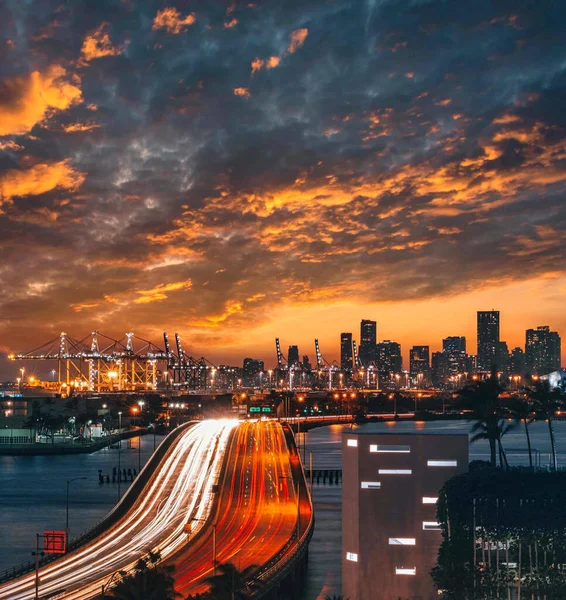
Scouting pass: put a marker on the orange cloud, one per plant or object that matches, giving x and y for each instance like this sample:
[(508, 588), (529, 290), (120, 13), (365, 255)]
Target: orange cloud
[(298, 38), (99, 44), (232, 23), (232, 307), (273, 62), (26, 101), (80, 127), (170, 19), (39, 179), (83, 306), (257, 65), (242, 91), (160, 292)]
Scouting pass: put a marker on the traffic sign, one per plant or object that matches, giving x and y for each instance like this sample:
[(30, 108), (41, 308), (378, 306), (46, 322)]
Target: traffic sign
[(54, 542)]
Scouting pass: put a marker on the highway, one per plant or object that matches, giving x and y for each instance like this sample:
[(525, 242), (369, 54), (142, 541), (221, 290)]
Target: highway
[(257, 515), (180, 489)]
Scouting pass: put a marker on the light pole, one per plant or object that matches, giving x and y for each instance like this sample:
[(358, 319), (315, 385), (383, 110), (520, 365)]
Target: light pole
[(119, 428), (213, 542), (69, 481)]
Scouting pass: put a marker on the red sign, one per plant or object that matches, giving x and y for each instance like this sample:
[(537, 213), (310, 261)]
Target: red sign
[(54, 542)]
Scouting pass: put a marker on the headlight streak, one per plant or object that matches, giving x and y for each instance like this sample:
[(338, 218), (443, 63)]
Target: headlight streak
[(156, 522)]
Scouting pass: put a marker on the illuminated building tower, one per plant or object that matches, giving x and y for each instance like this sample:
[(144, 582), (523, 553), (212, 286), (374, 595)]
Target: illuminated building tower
[(542, 350), (293, 355), (419, 367), (252, 367), (440, 368), (517, 362), (390, 535), (346, 356), (389, 359), (454, 347), (488, 337), (368, 340)]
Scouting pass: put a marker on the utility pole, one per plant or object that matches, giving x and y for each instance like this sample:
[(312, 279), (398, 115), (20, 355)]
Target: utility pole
[(36, 553)]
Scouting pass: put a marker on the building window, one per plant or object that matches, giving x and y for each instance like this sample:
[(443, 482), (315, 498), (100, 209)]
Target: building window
[(380, 448), (351, 556), (371, 485), (402, 541), (405, 570), (442, 463), (395, 471), (353, 443), (429, 500), (431, 526)]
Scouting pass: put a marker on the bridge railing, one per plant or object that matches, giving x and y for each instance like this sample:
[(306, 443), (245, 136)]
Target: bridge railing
[(126, 502), (278, 567)]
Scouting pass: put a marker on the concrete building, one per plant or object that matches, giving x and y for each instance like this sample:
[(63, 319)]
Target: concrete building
[(390, 536)]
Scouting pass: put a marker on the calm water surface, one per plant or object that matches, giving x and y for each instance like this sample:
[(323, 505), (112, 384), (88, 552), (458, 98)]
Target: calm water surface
[(32, 491)]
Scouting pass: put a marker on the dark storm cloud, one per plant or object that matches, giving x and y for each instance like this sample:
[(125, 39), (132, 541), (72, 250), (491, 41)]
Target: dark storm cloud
[(375, 146)]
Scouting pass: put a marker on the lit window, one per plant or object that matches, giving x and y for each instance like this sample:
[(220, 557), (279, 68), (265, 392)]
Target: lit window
[(371, 485), (429, 500), (351, 556), (402, 541), (353, 443), (405, 570), (390, 449), (431, 526), (395, 471), (442, 463)]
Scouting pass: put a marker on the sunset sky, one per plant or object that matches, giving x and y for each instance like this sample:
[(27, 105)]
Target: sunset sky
[(237, 172)]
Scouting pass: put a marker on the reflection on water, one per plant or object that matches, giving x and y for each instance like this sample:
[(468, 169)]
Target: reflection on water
[(325, 564)]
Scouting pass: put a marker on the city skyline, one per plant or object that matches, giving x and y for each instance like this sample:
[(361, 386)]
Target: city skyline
[(447, 343), (240, 172)]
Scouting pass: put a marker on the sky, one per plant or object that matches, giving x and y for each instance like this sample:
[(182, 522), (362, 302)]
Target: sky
[(243, 171)]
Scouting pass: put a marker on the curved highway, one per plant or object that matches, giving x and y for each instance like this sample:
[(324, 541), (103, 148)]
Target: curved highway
[(257, 515), (181, 489)]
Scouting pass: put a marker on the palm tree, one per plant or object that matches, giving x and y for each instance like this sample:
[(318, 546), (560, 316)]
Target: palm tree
[(336, 597), (482, 398), (522, 411), (546, 402), (231, 584), (146, 582)]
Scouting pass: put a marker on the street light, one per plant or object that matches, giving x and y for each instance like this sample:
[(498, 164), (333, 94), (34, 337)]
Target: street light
[(69, 481), (213, 540)]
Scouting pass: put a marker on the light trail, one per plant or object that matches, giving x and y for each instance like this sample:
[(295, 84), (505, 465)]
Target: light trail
[(258, 509), (181, 489)]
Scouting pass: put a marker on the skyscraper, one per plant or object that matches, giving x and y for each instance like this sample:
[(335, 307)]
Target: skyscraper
[(389, 360), (454, 347), (368, 340), (488, 338), (542, 350), (419, 367), (346, 356), (517, 362), (454, 343), (293, 355)]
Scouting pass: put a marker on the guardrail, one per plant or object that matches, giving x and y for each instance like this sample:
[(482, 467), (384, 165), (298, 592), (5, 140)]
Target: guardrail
[(279, 566), (127, 501)]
